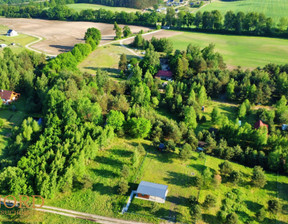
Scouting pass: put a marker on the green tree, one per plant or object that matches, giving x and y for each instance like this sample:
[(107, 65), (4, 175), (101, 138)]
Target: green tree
[(258, 177), (94, 33), (225, 168), (123, 187), (123, 62), (261, 214), (179, 69), (126, 31), (186, 152), (202, 96), (242, 111), (115, 119), (138, 127), (210, 201), (232, 218)]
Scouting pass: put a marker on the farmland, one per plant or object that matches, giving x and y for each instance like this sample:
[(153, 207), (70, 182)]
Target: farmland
[(81, 6), (274, 9), (245, 51), (61, 36)]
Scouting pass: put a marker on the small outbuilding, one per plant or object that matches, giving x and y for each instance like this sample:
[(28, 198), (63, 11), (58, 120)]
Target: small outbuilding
[(152, 192), (3, 45), (11, 33), (162, 147)]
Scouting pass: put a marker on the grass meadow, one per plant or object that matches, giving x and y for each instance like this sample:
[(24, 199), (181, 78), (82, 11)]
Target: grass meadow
[(245, 51), (168, 169), (271, 8), (21, 40), (106, 58), (81, 6)]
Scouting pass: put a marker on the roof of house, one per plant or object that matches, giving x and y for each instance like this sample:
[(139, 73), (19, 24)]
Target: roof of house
[(162, 73), (5, 94), (152, 189), (259, 124), (162, 146)]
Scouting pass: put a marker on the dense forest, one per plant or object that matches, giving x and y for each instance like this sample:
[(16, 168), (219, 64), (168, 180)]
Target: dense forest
[(240, 23)]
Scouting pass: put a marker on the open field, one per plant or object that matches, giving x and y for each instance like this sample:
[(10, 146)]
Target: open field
[(106, 58), (21, 40), (61, 36), (168, 169), (248, 52), (271, 8), (81, 6)]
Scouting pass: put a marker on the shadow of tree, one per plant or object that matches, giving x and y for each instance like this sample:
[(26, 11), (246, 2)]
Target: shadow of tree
[(105, 173), (61, 47), (211, 219), (108, 161), (104, 190), (179, 200), (179, 179), (200, 168), (253, 206), (121, 152)]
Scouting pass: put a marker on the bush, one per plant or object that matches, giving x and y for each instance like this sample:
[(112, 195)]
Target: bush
[(261, 214), (210, 201), (123, 187), (273, 206), (125, 172)]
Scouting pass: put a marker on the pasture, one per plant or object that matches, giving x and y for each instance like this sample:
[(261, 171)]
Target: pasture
[(82, 6), (271, 8), (245, 51), (178, 175)]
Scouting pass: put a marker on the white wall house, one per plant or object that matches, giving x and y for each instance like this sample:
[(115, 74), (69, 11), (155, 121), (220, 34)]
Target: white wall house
[(152, 192), (11, 33)]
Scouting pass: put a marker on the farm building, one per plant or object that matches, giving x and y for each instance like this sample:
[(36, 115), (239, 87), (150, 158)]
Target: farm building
[(8, 96), (260, 124), (167, 75), (152, 192), (11, 33)]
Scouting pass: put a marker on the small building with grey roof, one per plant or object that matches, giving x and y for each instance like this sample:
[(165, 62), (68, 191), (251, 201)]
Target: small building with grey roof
[(152, 191)]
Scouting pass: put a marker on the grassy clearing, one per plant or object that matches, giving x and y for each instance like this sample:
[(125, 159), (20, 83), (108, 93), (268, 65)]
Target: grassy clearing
[(21, 40), (245, 51), (168, 169), (274, 9), (81, 6), (105, 58), (11, 119), (104, 171)]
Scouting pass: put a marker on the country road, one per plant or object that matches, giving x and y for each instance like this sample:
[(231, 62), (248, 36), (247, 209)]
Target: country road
[(77, 214)]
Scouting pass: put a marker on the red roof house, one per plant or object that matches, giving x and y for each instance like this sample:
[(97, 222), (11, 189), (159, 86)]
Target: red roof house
[(260, 124), (164, 74), (8, 96)]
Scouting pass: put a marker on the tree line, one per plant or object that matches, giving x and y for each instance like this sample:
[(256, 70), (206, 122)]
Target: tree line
[(241, 23)]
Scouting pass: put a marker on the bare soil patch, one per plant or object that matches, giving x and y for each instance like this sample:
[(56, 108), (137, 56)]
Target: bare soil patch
[(61, 36)]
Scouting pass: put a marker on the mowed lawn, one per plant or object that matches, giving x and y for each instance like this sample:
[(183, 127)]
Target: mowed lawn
[(244, 51), (20, 41), (271, 8), (81, 6), (106, 58), (168, 169)]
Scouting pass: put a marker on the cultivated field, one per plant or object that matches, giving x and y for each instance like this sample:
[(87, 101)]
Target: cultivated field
[(248, 52), (61, 36), (271, 8), (81, 6)]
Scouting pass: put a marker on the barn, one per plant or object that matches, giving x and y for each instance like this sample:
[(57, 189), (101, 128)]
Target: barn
[(152, 192)]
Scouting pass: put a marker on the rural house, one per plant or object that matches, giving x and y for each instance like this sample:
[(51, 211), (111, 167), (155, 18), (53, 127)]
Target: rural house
[(11, 33), (260, 124), (8, 96), (167, 75), (152, 192)]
